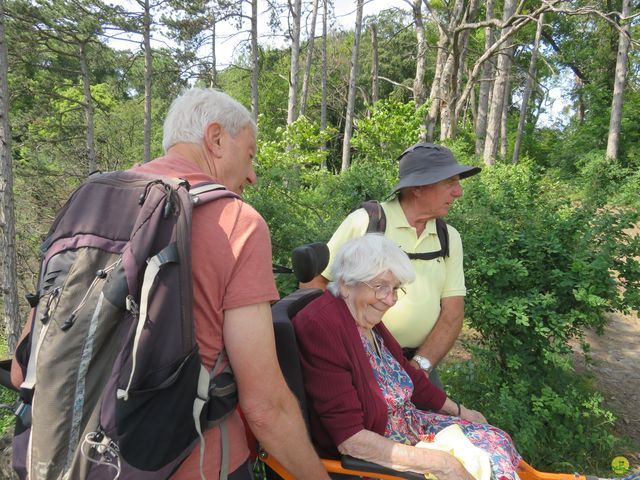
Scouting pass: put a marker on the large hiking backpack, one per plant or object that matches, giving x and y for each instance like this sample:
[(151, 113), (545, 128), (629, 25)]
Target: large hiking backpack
[(114, 386), (378, 224)]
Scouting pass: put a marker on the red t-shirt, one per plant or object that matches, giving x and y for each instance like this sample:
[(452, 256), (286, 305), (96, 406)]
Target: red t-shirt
[(232, 267)]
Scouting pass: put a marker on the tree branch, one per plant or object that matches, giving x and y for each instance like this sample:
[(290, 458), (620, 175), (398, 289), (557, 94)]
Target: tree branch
[(395, 83)]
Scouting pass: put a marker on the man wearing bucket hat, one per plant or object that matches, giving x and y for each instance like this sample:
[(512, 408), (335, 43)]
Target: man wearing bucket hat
[(427, 319)]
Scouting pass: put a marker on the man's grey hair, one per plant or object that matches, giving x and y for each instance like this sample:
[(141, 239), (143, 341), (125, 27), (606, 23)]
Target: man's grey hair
[(191, 112), (364, 258)]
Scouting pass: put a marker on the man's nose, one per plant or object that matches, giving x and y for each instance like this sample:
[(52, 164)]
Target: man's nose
[(252, 178)]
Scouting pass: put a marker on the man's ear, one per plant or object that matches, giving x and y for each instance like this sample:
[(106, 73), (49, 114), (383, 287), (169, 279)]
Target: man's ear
[(213, 138), (415, 192)]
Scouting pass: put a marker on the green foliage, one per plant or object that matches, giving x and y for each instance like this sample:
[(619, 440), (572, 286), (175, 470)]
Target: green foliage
[(559, 426), (301, 200), (540, 268), (289, 164), (7, 418), (397, 49), (386, 132)]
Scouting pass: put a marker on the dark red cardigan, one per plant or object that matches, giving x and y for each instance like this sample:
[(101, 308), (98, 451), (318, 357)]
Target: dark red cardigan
[(342, 391)]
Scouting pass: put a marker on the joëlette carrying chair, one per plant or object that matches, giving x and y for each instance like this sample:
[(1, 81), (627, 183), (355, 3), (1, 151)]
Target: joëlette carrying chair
[(309, 261)]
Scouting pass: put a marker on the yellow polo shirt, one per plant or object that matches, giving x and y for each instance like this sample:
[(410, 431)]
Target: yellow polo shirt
[(411, 319)]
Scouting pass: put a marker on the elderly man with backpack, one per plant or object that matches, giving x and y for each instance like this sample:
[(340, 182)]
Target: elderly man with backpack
[(428, 319), (208, 136), (135, 428)]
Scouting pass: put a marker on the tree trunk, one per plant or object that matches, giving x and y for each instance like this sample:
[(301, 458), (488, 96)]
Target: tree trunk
[(447, 88), (213, 82), (421, 58), (374, 64), (504, 121), (9, 274), (435, 95), (351, 98), (499, 87), (514, 26), (446, 60), (295, 10), (448, 80), (486, 82), (323, 94), (613, 139), (92, 165), (526, 95), (148, 66), (460, 57), (307, 69), (582, 109), (473, 108), (255, 60)]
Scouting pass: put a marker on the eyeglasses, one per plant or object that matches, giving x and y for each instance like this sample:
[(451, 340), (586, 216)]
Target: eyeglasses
[(382, 291)]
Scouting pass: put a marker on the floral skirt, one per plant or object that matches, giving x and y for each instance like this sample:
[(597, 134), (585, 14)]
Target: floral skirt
[(497, 443), (409, 425)]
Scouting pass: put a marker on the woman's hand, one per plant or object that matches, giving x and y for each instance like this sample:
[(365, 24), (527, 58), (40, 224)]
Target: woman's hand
[(455, 409), (471, 415), (448, 467)]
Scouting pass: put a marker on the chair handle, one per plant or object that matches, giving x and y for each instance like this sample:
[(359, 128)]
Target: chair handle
[(352, 463)]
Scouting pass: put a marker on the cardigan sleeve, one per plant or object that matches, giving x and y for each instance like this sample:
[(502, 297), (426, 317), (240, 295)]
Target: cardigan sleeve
[(328, 373)]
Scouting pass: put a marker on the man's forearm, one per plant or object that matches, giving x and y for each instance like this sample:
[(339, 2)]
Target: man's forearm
[(271, 410), (445, 331), (282, 433)]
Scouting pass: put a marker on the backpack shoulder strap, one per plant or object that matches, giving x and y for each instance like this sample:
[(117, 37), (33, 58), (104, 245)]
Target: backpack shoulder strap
[(443, 236), (377, 217), (206, 192)]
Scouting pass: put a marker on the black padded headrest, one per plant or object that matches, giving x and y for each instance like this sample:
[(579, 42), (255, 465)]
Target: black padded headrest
[(309, 261)]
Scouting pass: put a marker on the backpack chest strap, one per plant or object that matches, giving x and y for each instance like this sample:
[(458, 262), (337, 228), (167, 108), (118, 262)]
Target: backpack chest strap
[(425, 255)]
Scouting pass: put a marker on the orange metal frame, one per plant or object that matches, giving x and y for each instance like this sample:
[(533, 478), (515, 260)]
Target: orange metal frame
[(525, 471)]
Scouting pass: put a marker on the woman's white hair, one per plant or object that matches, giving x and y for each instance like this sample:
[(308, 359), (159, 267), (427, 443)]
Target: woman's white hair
[(191, 112), (364, 258)]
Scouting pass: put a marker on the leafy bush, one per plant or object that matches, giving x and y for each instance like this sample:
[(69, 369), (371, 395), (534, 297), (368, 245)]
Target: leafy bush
[(7, 418), (541, 268), (560, 426)]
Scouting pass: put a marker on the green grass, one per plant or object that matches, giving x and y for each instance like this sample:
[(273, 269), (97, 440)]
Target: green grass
[(7, 397), (7, 419)]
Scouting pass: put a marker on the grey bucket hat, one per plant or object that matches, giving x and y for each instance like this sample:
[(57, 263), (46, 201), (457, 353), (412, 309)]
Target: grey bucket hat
[(427, 163)]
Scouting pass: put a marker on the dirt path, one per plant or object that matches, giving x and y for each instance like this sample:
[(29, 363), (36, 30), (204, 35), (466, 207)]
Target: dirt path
[(615, 367)]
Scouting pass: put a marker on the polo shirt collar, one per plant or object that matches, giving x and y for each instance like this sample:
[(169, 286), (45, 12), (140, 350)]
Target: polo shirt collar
[(395, 210)]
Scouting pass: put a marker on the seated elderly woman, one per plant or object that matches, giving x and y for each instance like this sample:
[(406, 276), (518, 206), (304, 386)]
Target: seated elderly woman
[(365, 399)]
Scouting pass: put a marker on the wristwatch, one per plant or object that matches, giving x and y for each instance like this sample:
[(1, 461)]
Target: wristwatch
[(423, 362)]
